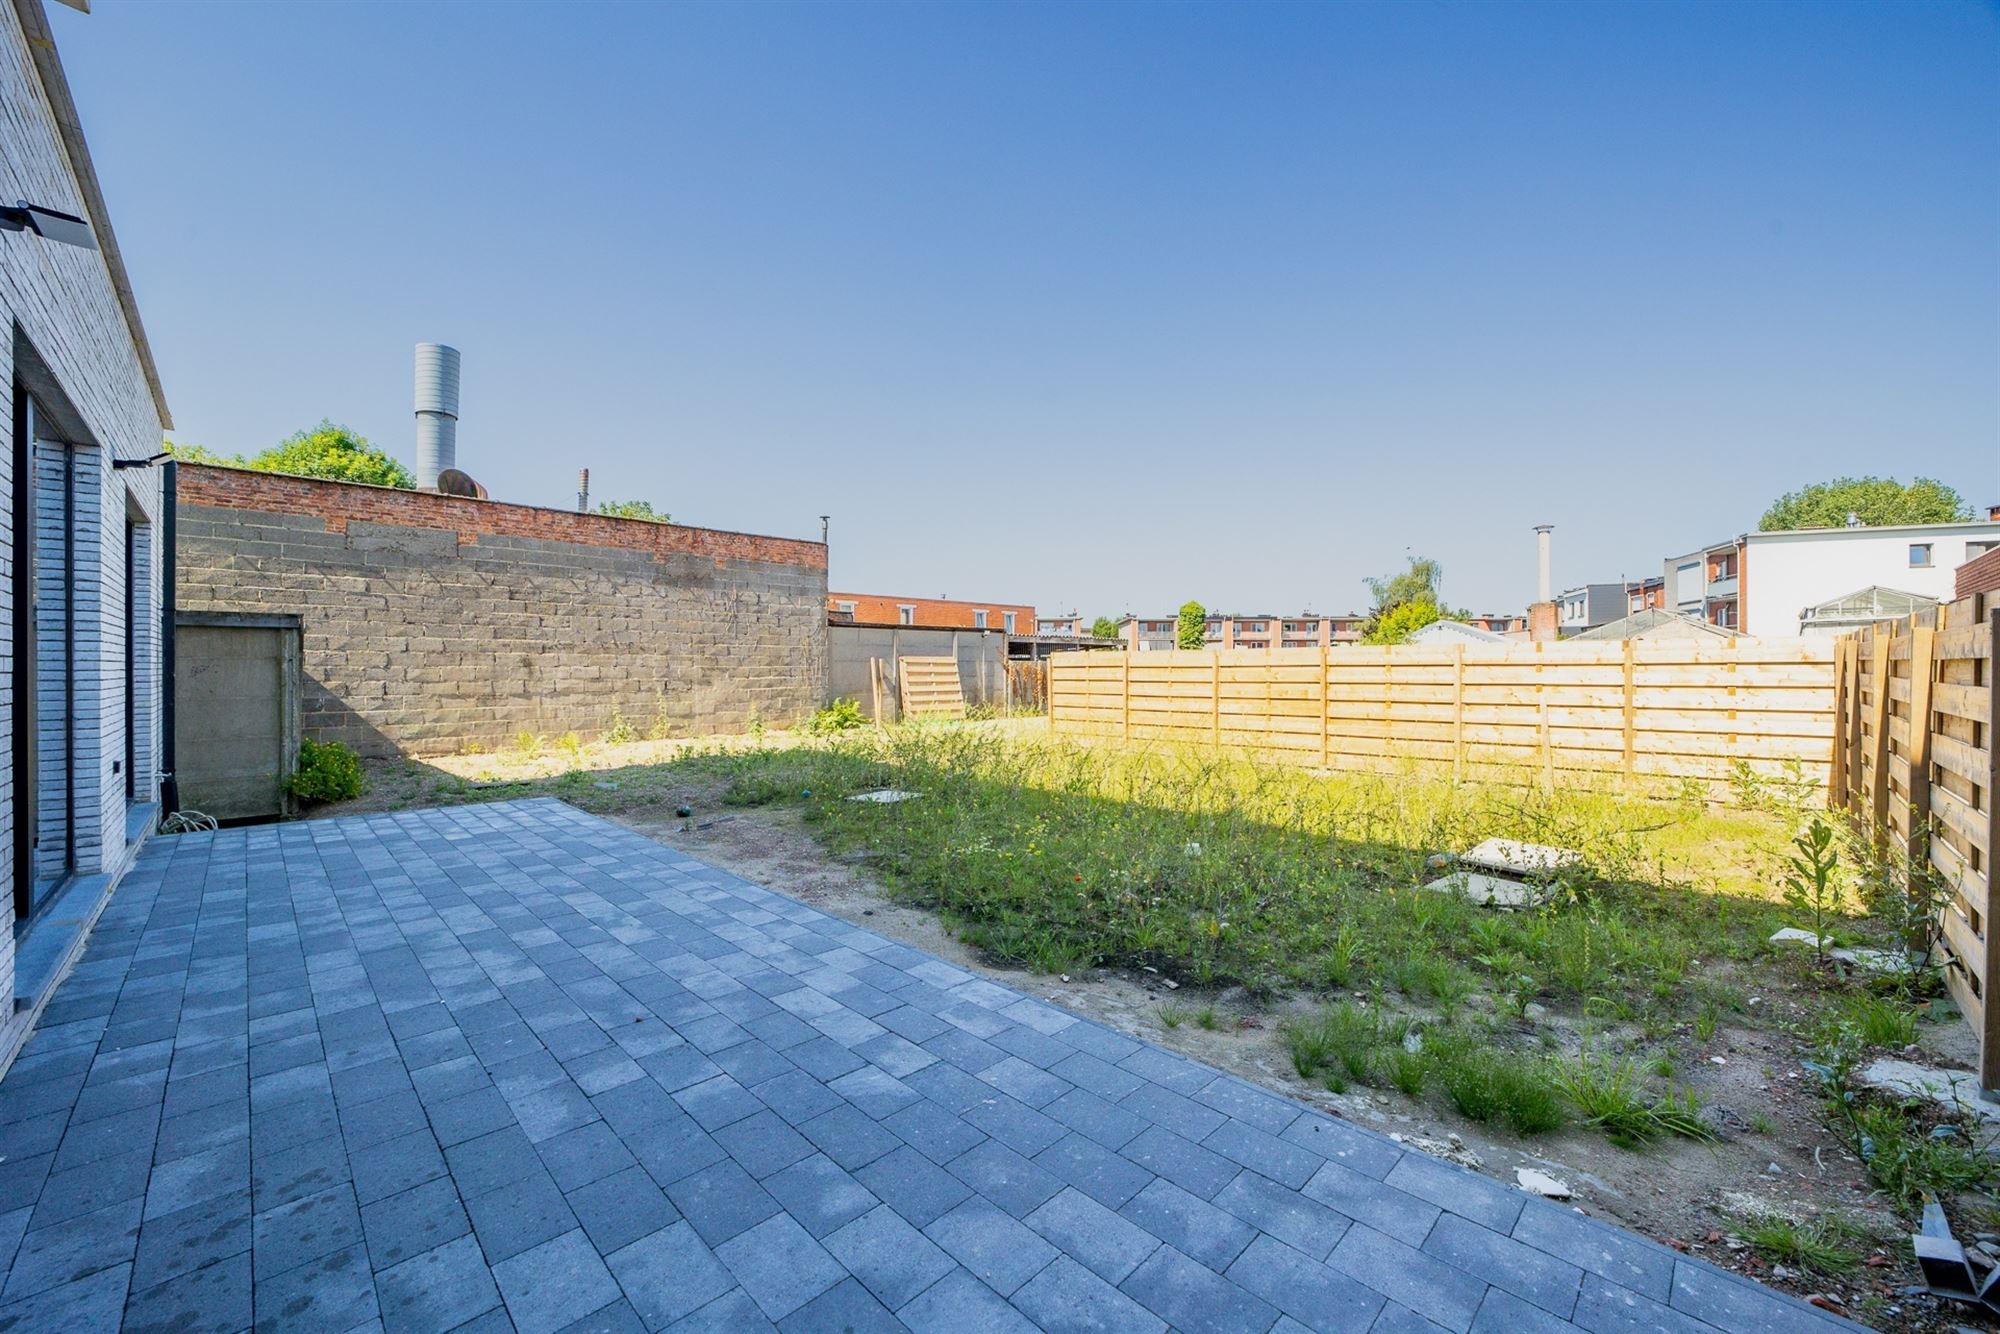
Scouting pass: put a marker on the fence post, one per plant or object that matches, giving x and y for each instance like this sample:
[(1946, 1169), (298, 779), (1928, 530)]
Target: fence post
[(1989, 1026), (1125, 696), (1458, 713), (1325, 709), (1878, 708), (1215, 695), (1631, 719), (1836, 769), (1923, 657)]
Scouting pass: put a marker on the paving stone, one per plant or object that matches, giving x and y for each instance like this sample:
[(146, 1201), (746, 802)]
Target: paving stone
[(779, 1265), (583, 1155), (999, 1174), (1604, 1307), (396, 1165), (304, 1230), (547, 1285), (997, 1249), (1301, 1223), (961, 1304), (763, 1143), (1192, 1225), (94, 1302), (1094, 1170), (621, 1208), (1507, 1264), (893, 1260), (1297, 1283), (1067, 1298), (913, 1186), (1598, 1249), (1104, 1242), (1197, 1170), (847, 1306), (1481, 1199), (74, 1248), (731, 1313), (211, 1300), (442, 1288), (1409, 1277), (522, 1214), (1369, 1201), (1193, 1298), (1731, 1303), (336, 1291), (721, 1201), (406, 1225), (668, 1274), (821, 1195)]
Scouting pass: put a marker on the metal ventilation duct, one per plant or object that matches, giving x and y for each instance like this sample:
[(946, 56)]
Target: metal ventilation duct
[(437, 412)]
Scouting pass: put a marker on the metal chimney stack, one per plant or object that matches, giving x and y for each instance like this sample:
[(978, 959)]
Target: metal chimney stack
[(1542, 590), (437, 412)]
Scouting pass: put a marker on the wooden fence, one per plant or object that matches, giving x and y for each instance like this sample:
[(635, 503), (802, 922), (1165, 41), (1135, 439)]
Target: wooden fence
[(1636, 709), (1914, 760)]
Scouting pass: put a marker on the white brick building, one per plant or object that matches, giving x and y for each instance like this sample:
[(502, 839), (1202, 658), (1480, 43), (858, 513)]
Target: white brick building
[(80, 552)]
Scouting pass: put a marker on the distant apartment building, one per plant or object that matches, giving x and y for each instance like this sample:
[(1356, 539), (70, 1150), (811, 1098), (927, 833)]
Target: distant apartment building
[(1707, 584), (1498, 624), (1071, 626), (1305, 630), (929, 613), (1588, 606), (1646, 595)]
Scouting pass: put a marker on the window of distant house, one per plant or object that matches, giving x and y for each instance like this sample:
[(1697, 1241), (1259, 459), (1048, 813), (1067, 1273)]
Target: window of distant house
[(847, 607), (906, 615), (1007, 621), (979, 619), (1920, 555), (1978, 548)]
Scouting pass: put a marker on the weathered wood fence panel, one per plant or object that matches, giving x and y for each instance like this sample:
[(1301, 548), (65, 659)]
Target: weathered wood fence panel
[(1914, 761), (930, 688), (1638, 709)]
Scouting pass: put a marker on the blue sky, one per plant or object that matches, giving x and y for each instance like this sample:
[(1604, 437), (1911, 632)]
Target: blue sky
[(1104, 306)]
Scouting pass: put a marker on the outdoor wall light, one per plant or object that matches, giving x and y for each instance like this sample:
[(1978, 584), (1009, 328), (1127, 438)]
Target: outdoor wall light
[(146, 462), (47, 222)]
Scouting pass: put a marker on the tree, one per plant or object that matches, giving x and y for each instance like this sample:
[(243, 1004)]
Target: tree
[(328, 451), (1419, 583), (1873, 500), (1104, 628), (634, 509), (1191, 631), (335, 453), (1401, 621)]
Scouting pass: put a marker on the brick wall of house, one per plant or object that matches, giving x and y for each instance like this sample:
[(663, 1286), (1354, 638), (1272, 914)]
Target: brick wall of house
[(936, 613), (436, 623), (1981, 574)]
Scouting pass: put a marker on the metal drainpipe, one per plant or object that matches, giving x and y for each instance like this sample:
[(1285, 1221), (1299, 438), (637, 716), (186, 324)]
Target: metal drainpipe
[(170, 788), (69, 658)]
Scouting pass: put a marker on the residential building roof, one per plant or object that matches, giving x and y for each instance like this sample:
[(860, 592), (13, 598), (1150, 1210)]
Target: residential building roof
[(1657, 623), (1865, 606)]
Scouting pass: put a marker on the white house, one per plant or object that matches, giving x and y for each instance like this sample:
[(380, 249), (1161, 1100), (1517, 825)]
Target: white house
[(1786, 574), (80, 551)]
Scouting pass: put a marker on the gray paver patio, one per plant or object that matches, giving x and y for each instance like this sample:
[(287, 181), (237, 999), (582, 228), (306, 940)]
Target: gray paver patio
[(510, 1066)]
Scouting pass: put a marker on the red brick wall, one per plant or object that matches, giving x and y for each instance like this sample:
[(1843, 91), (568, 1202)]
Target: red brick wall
[(340, 503), (1981, 574), (938, 613)]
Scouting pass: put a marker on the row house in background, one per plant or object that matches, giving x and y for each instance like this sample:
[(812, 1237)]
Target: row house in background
[(1254, 631), (1588, 606), (1707, 584), (930, 613), (1645, 595)]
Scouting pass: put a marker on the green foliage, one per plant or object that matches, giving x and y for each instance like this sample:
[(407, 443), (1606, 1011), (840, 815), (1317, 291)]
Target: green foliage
[(1874, 500), (620, 730), (1400, 622), (843, 715), (1191, 629), (1419, 583), (1881, 1022), (1812, 886), (1824, 1245), (634, 509), (328, 450), (1611, 1095), (336, 454), (328, 771), (1485, 1084), (1104, 628)]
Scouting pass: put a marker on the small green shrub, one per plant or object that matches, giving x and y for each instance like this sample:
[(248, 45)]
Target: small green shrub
[(620, 730), (328, 771), (1488, 1085), (1611, 1096), (1823, 1246), (1882, 1022), (843, 715)]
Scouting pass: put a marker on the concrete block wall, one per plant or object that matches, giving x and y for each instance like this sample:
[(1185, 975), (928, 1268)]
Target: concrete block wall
[(433, 624), (981, 654)]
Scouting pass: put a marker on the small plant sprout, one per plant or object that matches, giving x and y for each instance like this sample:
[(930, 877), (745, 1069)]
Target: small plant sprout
[(1812, 888)]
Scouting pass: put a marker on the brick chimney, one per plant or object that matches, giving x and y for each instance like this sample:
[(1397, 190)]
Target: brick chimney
[(1542, 622)]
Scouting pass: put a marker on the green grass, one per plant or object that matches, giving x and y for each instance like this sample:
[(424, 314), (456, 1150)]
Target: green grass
[(1882, 1021), (1043, 851), (1613, 1096), (1826, 1245)]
